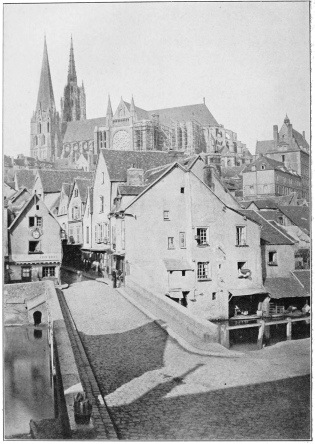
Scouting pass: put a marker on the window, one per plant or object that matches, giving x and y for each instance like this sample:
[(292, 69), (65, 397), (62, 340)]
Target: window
[(182, 240), (26, 272), (182, 190), (171, 245), (251, 189), (263, 166), (241, 265), (34, 247), (87, 235), (96, 233), (47, 127), (37, 207), (272, 258), (183, 272), (283, 158), (101, 204), (166, 215), (214, 296), (49, 271), (78, 235), (202, 236), (76, 193), (203, 270), (240, 236), (103, 177), (280, 220), (76, 212), (35, 221), (102, 139), (101, 231)]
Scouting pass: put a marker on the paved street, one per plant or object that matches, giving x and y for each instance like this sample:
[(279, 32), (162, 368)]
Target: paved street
[(156, 390)]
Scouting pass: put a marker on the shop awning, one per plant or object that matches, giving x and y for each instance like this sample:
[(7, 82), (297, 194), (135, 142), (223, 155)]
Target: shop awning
[(176, 265), (248, 291)]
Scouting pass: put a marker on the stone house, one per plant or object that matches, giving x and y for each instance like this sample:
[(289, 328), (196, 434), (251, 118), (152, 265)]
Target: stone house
[(76, 208), (289, 147), (62, 215), (266, 177), (198, 251), (35, 251)]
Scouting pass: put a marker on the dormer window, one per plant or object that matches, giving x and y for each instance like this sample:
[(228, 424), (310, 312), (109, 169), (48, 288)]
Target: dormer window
[(263, 166)]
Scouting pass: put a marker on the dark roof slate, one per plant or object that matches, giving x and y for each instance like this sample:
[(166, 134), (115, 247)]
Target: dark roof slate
[(269, 233), (25, 178), (304, 276), (52, 180), (263, 146), (83, 185), (119, 161), (130, 190), (82, 129), (142, 114), (280, 288), (299, 215), (199, 112), (300, 140)]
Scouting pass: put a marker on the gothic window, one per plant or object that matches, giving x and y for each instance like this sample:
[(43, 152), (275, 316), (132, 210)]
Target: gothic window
[(40, 128), (47, 127), (36, 140), (43, 139), (102, 139)]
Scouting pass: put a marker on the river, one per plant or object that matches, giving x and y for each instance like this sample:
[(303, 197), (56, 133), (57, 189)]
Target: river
[(28, 388)]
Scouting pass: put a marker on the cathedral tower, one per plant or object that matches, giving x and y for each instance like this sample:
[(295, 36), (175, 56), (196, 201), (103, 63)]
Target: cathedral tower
[(45, 134), (73, 103)]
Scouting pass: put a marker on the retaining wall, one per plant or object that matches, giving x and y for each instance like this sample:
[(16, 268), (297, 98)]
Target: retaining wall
[(176, 316)]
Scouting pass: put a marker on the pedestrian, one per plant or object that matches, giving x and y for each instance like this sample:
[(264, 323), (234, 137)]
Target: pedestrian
[(114, 277)]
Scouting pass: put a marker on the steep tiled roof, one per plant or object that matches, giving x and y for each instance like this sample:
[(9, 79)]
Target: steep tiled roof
[(284, 288), (235, 172), (82, 129), (304, 276), (25, 178), (119, 161), (141, 113), (10, 184), (7, 161), (269, 233), (83, 185), (270, 164), (53, 179), (267, 204), (66, 188), (282, 229), (300, 216), (263, 146), (130, 190), (299, 139), (199, 112), (19, 162)]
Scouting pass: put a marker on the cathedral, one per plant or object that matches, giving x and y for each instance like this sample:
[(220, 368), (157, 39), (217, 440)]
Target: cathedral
[(70, 137)]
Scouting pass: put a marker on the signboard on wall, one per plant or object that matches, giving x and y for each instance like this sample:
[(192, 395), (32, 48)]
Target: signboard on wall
[(36, 257)]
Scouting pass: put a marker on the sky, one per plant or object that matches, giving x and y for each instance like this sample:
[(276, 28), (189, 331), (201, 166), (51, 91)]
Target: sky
[(249, 60)]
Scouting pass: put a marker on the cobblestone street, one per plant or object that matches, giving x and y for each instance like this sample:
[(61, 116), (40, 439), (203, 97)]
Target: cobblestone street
[(156, 390)]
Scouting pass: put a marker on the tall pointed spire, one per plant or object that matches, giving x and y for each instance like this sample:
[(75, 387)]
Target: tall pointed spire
[(132, 105), (109, 112), (45, 98), (72, 76)]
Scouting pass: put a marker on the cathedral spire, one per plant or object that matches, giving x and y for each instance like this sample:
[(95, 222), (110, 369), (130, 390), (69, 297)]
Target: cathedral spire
[(45, 98), (109, 112), (72, 76)]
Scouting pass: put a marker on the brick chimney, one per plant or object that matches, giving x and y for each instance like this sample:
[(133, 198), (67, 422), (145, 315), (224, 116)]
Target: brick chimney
[(290, 132), (275, 134), (135, 176)]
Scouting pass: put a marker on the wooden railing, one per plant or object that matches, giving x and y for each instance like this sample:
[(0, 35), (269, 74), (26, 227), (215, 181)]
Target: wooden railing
[(261, 324)]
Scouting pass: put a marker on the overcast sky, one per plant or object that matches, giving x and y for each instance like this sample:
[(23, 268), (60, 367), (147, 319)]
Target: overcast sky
[(249, 60)]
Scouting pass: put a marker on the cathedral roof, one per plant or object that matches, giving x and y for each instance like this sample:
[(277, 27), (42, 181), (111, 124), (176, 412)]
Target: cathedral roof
[(82, 129), (45, 98), (141, 113), (25, 178), (199, 112)]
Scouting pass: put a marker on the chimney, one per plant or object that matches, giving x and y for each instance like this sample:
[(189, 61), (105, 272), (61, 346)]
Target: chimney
[(304, 135), (135, 176), (204, 100), (290, 132), (275, 134), (208, 173)]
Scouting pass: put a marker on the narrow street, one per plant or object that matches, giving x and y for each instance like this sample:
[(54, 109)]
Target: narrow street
[(156, 390)]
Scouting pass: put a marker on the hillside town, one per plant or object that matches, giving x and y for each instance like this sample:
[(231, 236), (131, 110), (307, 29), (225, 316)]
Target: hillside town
[(168, 209)]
